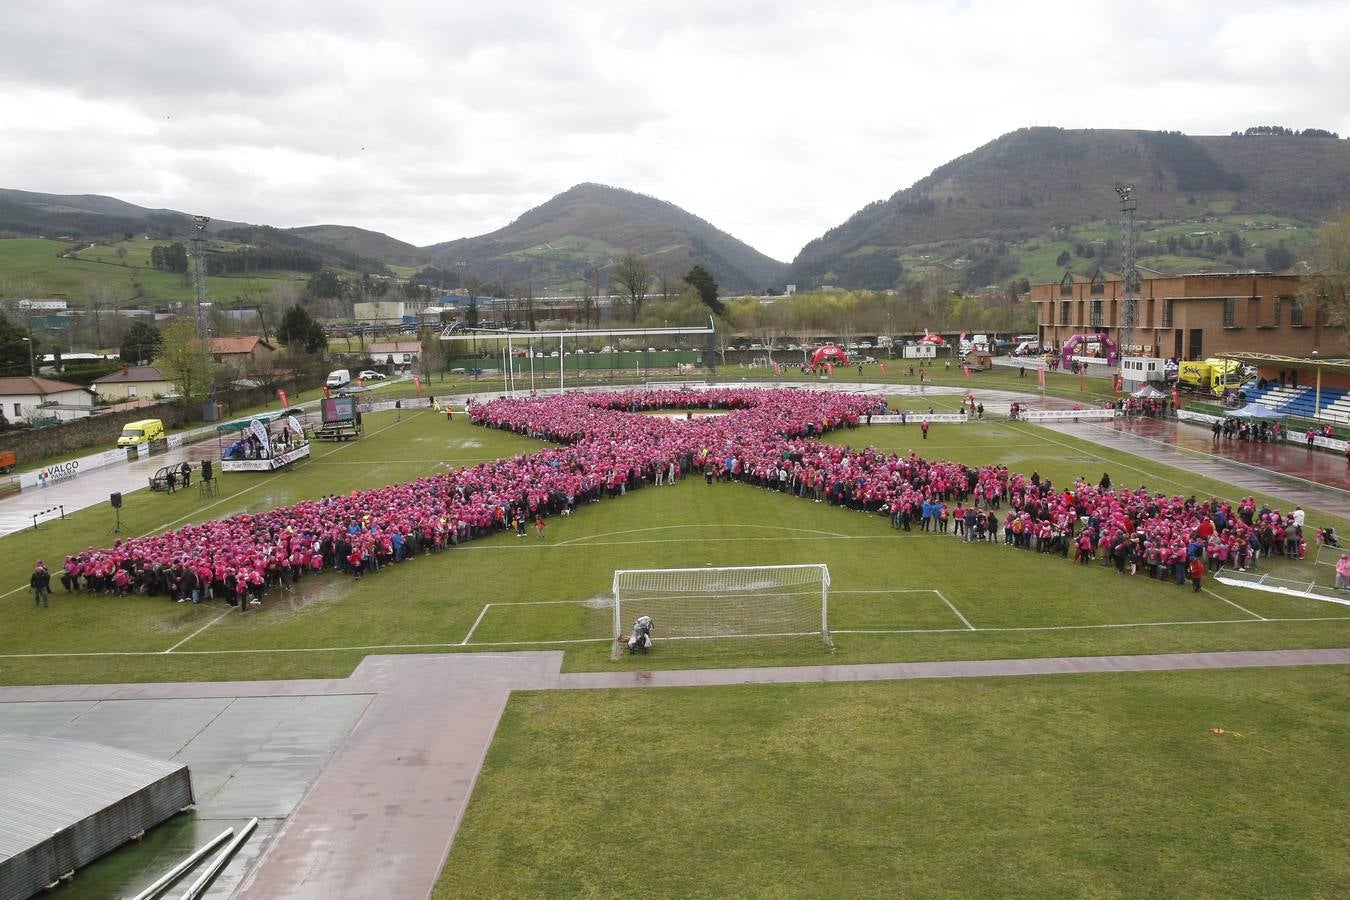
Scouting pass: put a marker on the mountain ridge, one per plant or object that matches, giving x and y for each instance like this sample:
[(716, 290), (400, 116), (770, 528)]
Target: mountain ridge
[(1028, 182), (574, 233)]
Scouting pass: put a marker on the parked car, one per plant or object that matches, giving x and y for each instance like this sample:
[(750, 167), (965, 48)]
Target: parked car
[(371, 375)]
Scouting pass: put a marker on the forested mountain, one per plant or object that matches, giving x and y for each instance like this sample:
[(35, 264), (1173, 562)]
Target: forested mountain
[(92, 216), (561, 243), (359, 241), (995, 213)]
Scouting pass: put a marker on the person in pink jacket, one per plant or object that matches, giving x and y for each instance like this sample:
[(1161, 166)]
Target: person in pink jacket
[(1343, 572)]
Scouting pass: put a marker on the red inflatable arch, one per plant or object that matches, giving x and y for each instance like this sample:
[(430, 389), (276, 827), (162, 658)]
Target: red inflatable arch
[(829, 353)]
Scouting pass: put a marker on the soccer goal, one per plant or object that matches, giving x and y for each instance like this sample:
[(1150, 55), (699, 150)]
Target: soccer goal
[(755, 607)]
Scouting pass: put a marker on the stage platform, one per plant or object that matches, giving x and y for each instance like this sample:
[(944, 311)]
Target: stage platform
[(64, 804)]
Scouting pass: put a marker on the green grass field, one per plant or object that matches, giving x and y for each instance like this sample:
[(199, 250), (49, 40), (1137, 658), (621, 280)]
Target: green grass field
[(1058, 786), (894, 596), (1088, 785), (82, 268)]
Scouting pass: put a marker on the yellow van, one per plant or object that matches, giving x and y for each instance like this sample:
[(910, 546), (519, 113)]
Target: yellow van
[(141, 432)]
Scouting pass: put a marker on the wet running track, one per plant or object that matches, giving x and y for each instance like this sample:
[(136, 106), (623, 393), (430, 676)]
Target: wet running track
[(1313, 478)]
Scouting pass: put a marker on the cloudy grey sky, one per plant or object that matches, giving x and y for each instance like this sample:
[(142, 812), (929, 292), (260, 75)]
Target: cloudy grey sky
[(773, 120)]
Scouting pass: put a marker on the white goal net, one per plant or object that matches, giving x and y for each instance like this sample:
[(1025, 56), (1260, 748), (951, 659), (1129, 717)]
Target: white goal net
[(759, 608)]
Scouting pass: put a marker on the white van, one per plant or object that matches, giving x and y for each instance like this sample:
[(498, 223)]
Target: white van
[(339, 378)]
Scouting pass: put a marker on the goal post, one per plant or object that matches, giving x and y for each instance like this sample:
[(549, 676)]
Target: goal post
[(753, 607)]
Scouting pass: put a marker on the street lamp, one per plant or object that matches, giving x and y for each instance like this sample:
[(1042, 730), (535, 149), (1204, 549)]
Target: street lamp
[(32, 362)]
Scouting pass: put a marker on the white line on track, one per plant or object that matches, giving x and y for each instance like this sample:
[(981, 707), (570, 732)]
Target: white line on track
[(953, 608), (447, 646), (486, 607), (197, 632), (1231, 603)]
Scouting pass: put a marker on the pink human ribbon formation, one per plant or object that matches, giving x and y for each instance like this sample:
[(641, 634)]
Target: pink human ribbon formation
[(607, 444)]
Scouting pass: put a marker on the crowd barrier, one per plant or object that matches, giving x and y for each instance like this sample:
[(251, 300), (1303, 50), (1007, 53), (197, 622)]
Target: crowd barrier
[(1064, 415)]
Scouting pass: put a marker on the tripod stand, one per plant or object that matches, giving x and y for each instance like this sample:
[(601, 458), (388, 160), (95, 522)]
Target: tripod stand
[(117, 527)]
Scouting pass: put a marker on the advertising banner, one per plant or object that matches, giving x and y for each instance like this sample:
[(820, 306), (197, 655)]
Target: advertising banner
[(260, 432)]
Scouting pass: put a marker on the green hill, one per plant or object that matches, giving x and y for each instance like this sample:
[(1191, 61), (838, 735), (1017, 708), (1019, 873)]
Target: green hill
[(559, 244), (359, 241), (1011, 208)]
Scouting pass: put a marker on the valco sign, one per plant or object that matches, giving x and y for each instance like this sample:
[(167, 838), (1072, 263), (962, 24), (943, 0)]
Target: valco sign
[(59, 473)]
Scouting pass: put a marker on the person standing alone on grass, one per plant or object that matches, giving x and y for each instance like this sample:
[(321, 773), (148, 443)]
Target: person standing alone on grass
[(924, 427), (539, 527), (1343, 572), (1196, 569), (40, 582)]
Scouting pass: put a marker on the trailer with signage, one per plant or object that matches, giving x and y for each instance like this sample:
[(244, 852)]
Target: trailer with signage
[(340, 419), (264, 442)]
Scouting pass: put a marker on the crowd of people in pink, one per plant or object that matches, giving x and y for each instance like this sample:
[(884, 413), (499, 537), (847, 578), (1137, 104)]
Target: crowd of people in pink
[(608, 446)]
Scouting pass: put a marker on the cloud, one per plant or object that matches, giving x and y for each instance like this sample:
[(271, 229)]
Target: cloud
[(773, 119)]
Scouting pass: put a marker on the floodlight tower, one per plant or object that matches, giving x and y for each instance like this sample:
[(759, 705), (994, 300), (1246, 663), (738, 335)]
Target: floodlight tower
[(1130, 311), (199, 224)]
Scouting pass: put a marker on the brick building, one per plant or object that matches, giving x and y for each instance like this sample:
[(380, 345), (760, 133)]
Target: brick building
[(1189, 316)]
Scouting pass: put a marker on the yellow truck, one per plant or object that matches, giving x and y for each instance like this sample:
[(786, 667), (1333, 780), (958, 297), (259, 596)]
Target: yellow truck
[(141, 432), (1212, 376)]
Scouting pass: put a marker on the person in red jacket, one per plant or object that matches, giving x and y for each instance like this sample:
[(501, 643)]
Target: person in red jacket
[(1196, 569)]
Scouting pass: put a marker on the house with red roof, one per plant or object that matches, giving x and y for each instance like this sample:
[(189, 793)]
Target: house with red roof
[(246, 354), (25, 397)]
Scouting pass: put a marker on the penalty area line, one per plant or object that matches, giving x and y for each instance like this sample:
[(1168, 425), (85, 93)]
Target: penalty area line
[(197, 632), (953, 608), (474, 627), (1231, 603), (445, 646)]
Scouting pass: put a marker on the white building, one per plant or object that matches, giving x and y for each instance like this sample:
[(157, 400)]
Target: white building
[(24, 397)]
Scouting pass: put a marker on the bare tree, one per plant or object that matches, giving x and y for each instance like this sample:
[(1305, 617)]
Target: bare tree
[(1326, 291), (631, 278)]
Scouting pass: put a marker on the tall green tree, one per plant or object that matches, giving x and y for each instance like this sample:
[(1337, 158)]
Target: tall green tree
[(14, 358), (299, 331), (141, 344), (701, 280), (325, 284), (631, 278), (186, 361)]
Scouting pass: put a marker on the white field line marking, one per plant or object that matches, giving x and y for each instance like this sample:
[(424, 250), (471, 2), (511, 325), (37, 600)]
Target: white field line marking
[(196, 512), (953, 608), (721, 540), (486, 607), (1231, 603), (1055, 627), (603, 640), (609, 603), (445, 646), (903, 630), (1087, 452), (197, 632), (887, 591), (610, 534)]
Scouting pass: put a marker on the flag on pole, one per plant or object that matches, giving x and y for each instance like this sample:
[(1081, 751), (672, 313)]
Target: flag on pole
[(417, 383), (1082, 381), (966, 369), (1040, 375), (281, 395), (326, 392)]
